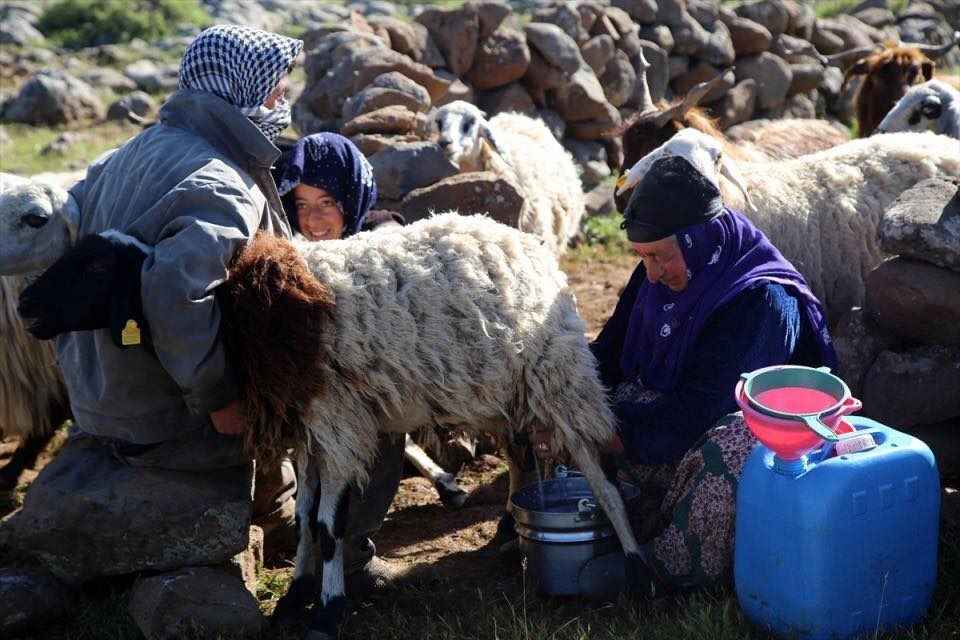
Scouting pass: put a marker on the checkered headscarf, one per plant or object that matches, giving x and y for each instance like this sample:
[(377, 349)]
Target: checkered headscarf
[(242, 66)]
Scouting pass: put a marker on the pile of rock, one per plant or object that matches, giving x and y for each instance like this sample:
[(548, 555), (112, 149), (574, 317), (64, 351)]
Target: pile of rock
[(581, 66), (901, 352)]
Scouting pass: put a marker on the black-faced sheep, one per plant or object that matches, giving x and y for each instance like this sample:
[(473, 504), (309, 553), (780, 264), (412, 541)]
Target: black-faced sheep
[(932, 106), (523, 151), (822, 210), (454, 320)]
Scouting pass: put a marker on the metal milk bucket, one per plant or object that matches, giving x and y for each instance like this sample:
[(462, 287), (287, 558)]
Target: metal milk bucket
[(561, 527)]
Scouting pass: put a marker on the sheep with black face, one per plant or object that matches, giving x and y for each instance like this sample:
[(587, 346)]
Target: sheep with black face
[(522, 150), (474, 327)]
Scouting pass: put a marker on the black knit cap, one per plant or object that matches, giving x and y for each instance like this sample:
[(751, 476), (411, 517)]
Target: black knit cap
[(671, 196)]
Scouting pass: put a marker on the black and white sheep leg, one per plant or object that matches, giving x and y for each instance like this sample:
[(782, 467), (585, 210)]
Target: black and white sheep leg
[(332, 516), (303, 589)]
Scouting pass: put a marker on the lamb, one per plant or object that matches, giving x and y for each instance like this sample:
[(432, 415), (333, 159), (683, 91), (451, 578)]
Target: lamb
[(887, 76), (646, 130), (932, 106), (453, 320), (822, 210), (33, 399), (522, 150)]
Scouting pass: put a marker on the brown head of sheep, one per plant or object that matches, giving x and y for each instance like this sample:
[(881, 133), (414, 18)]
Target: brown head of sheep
[(648, 129), (888, 74)]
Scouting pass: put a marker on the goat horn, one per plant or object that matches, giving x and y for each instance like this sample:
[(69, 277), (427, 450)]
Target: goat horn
[(935, 51), (646, 102), (692, 99), (845, 57)]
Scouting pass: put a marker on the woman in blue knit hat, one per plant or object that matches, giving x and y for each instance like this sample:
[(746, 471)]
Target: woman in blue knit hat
[(327, 188)]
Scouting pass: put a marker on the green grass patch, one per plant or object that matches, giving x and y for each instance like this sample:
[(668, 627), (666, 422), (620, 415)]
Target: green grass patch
[(21, 154), (85, 23), (831, 8), (604, 232)]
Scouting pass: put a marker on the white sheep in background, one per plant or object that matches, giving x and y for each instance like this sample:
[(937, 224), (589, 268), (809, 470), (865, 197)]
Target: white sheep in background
[(522, 150), (822, 210), (931, 106), (453, 320), (33, 400)]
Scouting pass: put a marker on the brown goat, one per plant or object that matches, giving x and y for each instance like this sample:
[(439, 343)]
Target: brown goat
[(887, 76)]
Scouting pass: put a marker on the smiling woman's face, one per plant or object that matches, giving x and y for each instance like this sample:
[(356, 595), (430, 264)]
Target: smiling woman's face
[(318, 213), (664, 262)]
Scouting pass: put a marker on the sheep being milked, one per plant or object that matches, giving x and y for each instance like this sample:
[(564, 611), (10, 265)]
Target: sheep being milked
[(475, 327), (822, 210)]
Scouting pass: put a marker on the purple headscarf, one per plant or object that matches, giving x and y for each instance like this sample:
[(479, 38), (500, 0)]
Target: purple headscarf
[(724, 256)]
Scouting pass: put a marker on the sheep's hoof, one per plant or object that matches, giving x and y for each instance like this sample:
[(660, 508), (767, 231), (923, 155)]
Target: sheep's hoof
[(293, 604), (326, 619), (452, 495)]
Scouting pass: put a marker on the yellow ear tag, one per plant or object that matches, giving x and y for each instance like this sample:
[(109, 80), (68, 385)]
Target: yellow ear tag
[(130, 334)]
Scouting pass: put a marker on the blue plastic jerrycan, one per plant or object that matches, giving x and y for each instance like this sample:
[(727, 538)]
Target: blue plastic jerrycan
[(835, 546)]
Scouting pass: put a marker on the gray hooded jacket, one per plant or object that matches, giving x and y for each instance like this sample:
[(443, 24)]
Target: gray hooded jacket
[(196, 186)]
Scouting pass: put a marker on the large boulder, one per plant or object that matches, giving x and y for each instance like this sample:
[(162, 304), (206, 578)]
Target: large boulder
[(582, 98), (772, 14), (598, 51), (491, 14), (679, 65), (405, 167), (556, 47), (16, 30), (924, 223), (772, 75), (704, 11), (748, 37), (151, 77), (916, 300), (619, 79), (858, 341), (204, 602), (658, 34), (29, 600), (476, 192), (411, 39), (512, 97), (357, 69), (371, 143), (388, 89), (876, 17), (599, 200), (591, 157), (565, 16), (456, 32), (702, 72), (738, 105), (501, 58), (805, 78), (670, 11), (133, 106), (54, 97), (918, 386), (719, 47), (642, 11), (689, 37), (458, 90), (108, 78), (88, 516), (598, 127), (542, 76)]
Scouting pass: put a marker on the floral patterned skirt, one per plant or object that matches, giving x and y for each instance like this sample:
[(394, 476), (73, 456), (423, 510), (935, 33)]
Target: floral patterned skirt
[(685, 514)]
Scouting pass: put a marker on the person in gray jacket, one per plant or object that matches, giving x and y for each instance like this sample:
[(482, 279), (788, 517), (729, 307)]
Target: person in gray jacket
[(195, 187)]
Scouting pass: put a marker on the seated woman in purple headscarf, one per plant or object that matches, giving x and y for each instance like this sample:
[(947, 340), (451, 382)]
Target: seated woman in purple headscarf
[(327, 188), (710, 299)]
